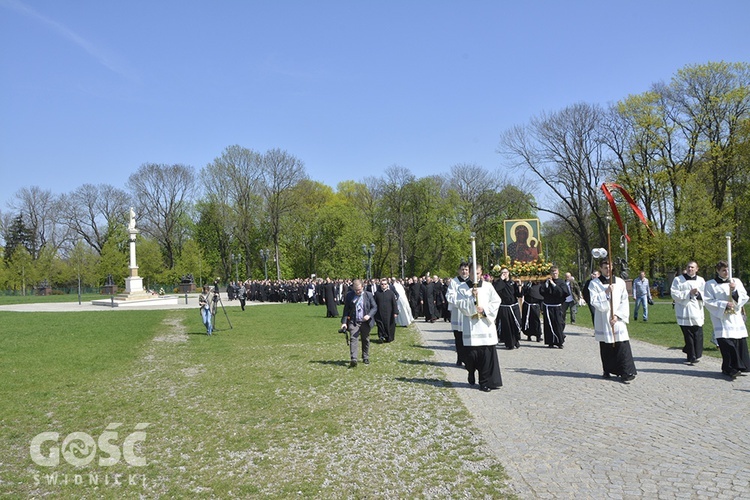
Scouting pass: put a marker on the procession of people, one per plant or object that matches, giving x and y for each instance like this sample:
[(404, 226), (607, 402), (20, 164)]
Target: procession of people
[(498, 312)]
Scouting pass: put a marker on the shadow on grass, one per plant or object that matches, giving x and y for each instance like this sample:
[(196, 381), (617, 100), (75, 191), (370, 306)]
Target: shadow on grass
[(435, 382), (426, 363), (330, 362)]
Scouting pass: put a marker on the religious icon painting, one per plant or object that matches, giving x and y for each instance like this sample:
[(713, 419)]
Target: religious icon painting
[(522, 239)]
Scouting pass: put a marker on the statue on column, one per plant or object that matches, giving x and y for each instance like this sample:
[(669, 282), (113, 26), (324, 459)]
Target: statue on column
[(131, 224)]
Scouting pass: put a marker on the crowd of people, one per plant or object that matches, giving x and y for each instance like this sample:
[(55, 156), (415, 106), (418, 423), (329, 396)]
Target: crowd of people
[(498, 311)]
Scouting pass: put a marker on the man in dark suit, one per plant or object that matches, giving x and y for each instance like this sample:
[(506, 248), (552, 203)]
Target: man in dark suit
[(359, 312)]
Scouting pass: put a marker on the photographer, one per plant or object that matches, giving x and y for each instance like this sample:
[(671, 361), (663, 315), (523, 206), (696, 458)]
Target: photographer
[(204, 301)]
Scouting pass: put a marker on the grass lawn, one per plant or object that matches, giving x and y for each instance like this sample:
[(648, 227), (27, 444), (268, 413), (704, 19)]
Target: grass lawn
[(267, 409), (661, 328)]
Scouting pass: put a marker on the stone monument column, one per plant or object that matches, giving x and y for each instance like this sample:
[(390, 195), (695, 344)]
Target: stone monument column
[(133, 283), (134, 295)]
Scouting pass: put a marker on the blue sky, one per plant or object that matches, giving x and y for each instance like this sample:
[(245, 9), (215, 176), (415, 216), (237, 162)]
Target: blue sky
[(90, 90)]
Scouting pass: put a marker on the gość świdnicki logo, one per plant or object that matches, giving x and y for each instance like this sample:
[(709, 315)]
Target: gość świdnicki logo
[(80, 449)]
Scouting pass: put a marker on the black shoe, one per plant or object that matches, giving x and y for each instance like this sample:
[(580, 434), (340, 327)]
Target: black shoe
[(635, 319), (606, 375), (472, 380), (484, 388), (561, 346), (733, 374), (366, 361), (353, 364), (626, 379)]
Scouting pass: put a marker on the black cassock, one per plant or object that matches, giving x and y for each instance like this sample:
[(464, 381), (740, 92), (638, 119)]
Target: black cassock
[(385, 317), (554, 294), (429, 303), (413, 294), (532, 325), (329, 295), (508, 320), (446, 313)]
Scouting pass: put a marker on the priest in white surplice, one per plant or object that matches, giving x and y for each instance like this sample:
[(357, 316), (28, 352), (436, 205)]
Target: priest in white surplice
[(610, 329), (479, 307)]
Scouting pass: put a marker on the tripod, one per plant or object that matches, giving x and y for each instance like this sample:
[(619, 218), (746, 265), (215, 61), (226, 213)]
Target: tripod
[(217, 299)]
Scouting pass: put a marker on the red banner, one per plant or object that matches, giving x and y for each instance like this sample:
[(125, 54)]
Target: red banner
[(606, 188)]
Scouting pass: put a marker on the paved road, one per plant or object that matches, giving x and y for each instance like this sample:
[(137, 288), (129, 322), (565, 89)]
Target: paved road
[(191, 303), (562, 431)]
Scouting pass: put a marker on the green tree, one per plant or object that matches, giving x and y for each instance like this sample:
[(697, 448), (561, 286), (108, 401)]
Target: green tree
[(164, 195), (22, 272), (18, 235), (81, 261), (191, 261), (151, 265), (311, 229), (114, 260), (213, 232), (712, 100)]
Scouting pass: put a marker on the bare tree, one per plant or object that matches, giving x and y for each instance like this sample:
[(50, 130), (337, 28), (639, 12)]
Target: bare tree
[(92, 211), (631, 132), (234, 180), (393, 194), (38, 209), (474, 186), (564, 151), (163, 195), (281, 173)]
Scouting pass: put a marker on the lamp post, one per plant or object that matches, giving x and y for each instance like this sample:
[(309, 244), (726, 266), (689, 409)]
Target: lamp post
[(497, 251), (236, 259), (403, 261), (264, 255), (79, 279), (369, 252)]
